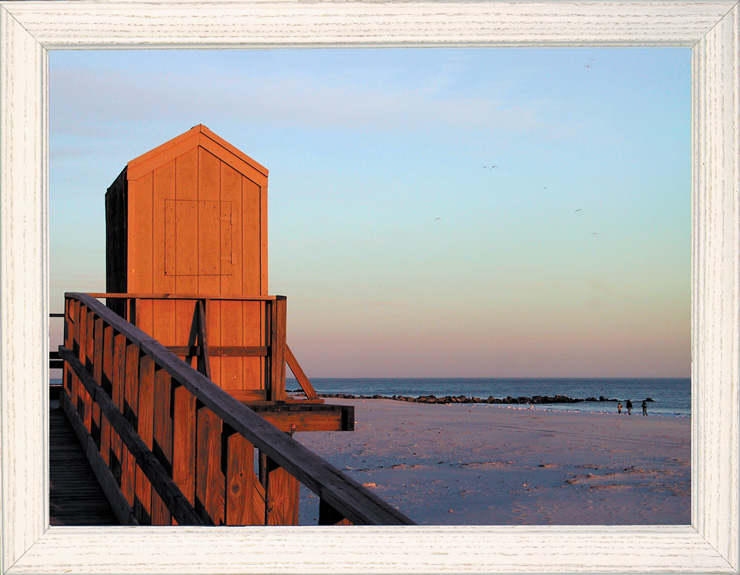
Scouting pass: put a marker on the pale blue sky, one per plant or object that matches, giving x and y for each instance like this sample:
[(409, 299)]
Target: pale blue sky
[(401, 252)]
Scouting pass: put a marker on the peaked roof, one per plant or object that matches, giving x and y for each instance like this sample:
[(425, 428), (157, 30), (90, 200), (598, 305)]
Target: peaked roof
[(197, 136)]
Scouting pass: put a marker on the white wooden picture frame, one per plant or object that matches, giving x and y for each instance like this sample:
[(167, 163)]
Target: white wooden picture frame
[(28, 30)]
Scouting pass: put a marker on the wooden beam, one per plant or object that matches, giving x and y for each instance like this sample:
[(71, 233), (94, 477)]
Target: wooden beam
[(241, 482), (183, 440), (281, 497), (276, 390), (314, 417), (178, 296), (300, 375), (220, 350)]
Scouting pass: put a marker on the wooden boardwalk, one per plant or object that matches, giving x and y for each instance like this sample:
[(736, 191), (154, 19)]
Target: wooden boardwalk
[(76, 496)]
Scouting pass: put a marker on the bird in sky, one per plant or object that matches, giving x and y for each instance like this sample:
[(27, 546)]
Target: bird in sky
[(489, 167), (578, 210)]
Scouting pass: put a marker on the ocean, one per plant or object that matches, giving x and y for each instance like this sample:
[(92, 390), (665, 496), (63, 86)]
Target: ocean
[(671, 396)]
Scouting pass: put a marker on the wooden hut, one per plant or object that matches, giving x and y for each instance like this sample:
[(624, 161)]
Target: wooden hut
[(187, 241)]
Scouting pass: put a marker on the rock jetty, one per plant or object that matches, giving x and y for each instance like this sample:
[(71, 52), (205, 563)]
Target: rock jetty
[(536, 399)]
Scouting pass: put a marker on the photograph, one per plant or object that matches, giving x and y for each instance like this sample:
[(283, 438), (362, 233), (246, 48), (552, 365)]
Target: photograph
[(422, 287), (485, 252)]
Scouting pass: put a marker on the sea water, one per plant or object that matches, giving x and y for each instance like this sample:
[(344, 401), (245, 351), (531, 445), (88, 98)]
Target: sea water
[(671, 396)]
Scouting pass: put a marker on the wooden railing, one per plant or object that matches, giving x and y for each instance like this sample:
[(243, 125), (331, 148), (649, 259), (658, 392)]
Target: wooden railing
[(197, 346), (177, 449)]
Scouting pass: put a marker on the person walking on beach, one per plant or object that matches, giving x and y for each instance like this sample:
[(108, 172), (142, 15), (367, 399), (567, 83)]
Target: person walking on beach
[(644, 407), (629, 407), (619, 408)]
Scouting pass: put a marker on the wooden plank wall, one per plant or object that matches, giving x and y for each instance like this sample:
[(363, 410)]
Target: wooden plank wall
[(197, 224)]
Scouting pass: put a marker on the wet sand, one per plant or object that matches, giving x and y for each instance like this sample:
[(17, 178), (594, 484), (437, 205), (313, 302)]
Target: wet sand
[(464, 464)]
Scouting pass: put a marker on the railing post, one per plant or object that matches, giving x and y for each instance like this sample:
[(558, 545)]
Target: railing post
[(80, 333), (96, 423), (130, 402), (209, 478), (183, 441), (277, 350), (162, 439), (118, 378), (281, 496), (145, 429), (245, 496), (69, 337)]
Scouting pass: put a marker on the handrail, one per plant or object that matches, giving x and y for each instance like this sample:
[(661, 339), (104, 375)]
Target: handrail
[(183, 296), (335, 489)]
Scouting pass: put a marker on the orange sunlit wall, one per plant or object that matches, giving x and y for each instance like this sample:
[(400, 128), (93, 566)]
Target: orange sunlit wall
[(190, 218)]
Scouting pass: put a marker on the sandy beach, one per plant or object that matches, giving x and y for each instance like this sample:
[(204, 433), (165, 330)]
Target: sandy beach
[(464, 464)]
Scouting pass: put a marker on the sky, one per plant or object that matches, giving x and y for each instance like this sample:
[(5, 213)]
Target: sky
[(431, 212)]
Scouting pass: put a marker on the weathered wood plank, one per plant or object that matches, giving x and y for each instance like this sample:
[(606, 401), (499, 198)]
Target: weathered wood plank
[(240, 483), (145, 429), (130, 408), (183, 296), (232, 269), (300, 375), (140, 245), (105, 383), (95, 420), (183, 441), (209, 479), (162, 439), (118, 379), (297, 417), (249, 395), (282, 496), (163, 231), (77, 401), (276, 391), (220, 350), (208, 229)]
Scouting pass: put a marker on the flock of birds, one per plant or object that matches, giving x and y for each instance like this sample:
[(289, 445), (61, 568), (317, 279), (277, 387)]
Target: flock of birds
[(494, 166)]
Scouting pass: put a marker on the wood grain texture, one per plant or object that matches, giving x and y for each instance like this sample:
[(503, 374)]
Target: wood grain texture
[(332, 23), (24, 291), (715, 491), (375, 550), (27, 29)]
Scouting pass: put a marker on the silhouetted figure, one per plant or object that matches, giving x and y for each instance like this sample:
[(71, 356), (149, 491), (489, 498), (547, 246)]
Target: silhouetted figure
[(629, 407), (644, 407), (619, 408)]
